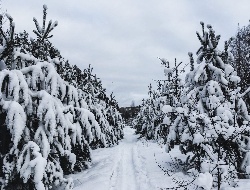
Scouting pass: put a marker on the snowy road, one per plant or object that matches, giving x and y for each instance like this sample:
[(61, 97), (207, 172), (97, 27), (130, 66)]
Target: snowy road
[(123, 172), (117, 168), (131, 165)]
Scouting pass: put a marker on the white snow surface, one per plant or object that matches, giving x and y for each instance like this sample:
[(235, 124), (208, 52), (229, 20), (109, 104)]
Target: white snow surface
[(131, 165), (121, 167), (134, 165), (167, 109)]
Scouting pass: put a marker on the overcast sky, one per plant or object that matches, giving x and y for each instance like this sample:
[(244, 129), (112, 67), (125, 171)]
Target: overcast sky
[(122, 39)]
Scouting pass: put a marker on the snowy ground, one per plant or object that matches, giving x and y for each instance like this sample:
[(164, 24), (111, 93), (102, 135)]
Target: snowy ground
[(133, 165)]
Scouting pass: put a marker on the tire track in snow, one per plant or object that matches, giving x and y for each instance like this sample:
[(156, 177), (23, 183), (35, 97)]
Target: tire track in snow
[(121, 167), (124, 173), (115, 170), (141, 172)]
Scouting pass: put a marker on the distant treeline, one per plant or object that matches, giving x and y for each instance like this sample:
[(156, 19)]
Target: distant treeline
[(129, 112)]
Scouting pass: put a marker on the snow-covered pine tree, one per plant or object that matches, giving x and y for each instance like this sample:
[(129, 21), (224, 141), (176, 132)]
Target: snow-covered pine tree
[(92, 92), (139, 119), (37, 117), (171, 92), (144, 122), (213, 118), (152, 121), (240, 48), (105, 109), (46, 126), (42, 48), (72, 74), (8, 42)]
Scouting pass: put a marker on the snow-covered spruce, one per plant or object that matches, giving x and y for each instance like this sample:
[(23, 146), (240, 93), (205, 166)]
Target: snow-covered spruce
[(240, 53), (153, 120), (239, 45), (212, 124), (105, 109), (52, 120), (47, 125)]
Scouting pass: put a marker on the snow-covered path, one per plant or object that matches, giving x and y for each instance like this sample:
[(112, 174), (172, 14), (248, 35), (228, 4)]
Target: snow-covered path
[(116, 168), (123, 172), (133, 165)]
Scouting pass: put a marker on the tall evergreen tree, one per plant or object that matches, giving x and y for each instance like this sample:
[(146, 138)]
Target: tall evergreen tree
[(240, 48), (152, 122), (47, 125), (213, 117)]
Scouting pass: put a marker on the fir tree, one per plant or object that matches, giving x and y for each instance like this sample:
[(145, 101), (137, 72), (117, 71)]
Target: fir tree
[(47, 126), (213, 116), (152, 122), (240, 48)]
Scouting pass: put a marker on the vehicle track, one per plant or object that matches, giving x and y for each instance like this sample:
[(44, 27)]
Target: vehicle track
[(124, 172)]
